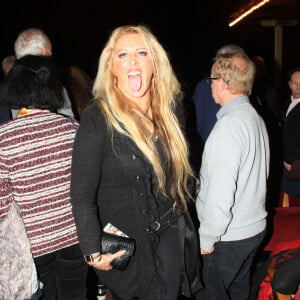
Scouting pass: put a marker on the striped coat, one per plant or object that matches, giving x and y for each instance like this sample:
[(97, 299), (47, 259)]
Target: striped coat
[(35, 171)]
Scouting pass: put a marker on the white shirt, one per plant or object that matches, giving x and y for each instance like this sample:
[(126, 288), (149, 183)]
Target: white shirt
[(292, 105)]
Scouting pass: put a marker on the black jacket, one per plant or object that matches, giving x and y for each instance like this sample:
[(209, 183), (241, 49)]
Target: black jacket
[(291, 136), (107, 186)]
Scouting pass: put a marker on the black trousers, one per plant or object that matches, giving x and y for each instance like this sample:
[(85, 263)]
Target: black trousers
[(287, 276), (226, 271), (63, 274)]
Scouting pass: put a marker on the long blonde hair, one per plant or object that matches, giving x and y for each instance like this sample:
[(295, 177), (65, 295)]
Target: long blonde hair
[(125, 118)]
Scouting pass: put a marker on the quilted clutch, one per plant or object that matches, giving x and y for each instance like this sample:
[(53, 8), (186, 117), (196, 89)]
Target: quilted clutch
[(111, 243)]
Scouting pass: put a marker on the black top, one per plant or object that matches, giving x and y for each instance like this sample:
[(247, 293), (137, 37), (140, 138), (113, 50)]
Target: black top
[(110, 182)]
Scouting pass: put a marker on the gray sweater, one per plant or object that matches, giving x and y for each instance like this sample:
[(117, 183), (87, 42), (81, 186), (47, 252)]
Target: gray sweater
[(233, 176)]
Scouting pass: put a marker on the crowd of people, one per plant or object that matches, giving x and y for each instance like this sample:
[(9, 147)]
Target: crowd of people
[(78, 154)]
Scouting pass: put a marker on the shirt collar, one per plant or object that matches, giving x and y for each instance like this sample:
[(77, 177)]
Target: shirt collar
[(294, 99), (231, 104), (294, 102)]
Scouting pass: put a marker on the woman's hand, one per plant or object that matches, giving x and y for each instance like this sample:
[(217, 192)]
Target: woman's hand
[(106, 259)]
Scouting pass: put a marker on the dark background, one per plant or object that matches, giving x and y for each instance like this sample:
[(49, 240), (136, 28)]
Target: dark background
[(191, 31)]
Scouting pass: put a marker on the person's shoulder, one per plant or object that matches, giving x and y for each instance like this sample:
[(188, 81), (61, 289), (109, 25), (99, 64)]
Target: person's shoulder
[(93, 109), (203, 85), (295, 111), (292, 121), (235, 117), (93, 114), (243, 118), (5, 126), (203, 91), (239, 110)]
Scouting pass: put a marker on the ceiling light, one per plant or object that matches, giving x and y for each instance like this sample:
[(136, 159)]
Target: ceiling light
[(248, 12)]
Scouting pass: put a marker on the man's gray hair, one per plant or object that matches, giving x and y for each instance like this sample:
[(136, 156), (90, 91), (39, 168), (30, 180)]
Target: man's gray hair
[(32, 41), (229, 49)]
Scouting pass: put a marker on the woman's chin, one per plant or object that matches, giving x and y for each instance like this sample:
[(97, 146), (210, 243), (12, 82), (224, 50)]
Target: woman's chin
[(137, 94)]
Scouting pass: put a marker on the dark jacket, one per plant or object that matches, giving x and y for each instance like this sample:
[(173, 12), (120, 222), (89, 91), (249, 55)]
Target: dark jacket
[(107, 177), (5, 115), (206, 109), (291, 136)]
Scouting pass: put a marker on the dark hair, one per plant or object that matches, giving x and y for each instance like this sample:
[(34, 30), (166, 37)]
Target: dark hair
[(33, 81), (292, 71)]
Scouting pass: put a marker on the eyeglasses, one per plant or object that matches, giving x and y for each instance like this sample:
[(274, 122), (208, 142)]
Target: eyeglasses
[(210, 79)]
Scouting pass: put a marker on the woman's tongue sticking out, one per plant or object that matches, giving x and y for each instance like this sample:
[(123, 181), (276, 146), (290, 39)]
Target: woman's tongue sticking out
[(135, 82)]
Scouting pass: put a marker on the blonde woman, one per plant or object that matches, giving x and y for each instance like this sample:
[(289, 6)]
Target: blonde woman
[(130, 168)]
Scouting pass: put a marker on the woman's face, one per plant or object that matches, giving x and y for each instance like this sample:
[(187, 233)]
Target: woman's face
[(132, 66)]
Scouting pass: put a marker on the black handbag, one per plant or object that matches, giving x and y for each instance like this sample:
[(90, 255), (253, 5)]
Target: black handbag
[(111, 243)]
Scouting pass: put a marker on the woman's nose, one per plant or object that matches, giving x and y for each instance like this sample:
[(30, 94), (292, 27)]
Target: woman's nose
[(132, 59)]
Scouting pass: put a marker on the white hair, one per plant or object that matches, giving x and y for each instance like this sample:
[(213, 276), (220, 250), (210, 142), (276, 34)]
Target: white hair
[(32, 41)]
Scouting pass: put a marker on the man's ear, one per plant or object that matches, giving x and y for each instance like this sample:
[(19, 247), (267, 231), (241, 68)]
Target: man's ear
[(44, 51), (224, 85)]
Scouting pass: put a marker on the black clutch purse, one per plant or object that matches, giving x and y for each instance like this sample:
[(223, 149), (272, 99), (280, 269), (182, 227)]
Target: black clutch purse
[(111, 243)]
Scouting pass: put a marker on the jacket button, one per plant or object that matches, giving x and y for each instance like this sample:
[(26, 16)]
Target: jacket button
[(137, 177), (141, 195), (133, 157)]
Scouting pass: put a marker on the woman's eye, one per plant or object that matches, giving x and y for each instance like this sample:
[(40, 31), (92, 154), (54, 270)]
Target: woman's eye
[(122, 54), (143, 53)]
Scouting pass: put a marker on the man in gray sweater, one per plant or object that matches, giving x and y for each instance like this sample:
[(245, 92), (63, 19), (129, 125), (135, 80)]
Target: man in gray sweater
[(233, 178)]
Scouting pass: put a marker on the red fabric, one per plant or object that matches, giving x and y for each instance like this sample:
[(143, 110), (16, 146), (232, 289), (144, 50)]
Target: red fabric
[(286, 222), (297, 296), (286, 246), (265, 291)]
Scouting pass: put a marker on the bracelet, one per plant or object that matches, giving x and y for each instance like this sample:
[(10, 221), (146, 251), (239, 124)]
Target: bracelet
[(92, 258)]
